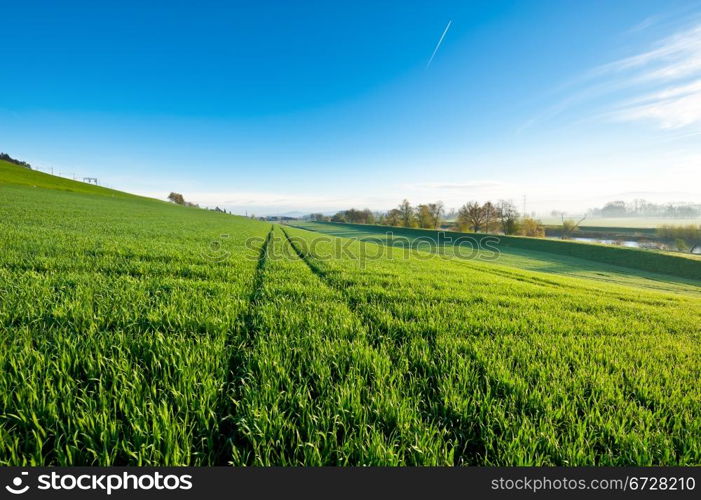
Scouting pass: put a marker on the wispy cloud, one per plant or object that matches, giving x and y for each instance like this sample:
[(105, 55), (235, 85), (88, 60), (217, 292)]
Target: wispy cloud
[(670, 108), (665, 81), (673, 56), (644, 24), (438, 45), (660, 85)]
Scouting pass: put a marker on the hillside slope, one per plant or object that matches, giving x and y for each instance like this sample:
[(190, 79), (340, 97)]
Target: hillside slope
[(11, 174)]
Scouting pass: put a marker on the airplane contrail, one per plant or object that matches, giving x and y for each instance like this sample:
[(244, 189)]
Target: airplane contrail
[(438, 45)]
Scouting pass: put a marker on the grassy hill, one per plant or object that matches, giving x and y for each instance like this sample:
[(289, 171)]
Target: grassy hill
[(11, 174), (634, 260), (139, 332)]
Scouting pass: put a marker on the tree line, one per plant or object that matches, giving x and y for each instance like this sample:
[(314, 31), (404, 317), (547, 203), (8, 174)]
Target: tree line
[(643, 208), (9, 159), (501, 217)]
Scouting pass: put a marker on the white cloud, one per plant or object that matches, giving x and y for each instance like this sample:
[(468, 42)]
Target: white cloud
[(666, 78), (678, 111), (674, 56), (661, 86)]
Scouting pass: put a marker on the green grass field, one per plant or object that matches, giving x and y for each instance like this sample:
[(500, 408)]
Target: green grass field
[(515, 257), (139, 332)]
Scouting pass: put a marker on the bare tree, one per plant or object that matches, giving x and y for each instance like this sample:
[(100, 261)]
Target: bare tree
[(471, 216), (508, 217), (569, 227), (394, 217), (407, 215), (436, 210), (491, 217)]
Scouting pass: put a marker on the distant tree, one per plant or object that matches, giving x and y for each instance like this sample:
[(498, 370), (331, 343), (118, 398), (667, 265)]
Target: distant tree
[(176, 198), (354, 216), (339, 217), (491, 217), (9, 159), (614, 209), (569, 227), (531, 227), (407, 215), (317, 217), (508, 217), (643, 208), (471, 216), (424, 217), (393, 217), (436, 211), (689, 234)]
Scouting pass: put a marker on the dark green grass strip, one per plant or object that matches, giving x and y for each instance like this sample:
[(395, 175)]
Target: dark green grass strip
[(631, 258), (239, 344)]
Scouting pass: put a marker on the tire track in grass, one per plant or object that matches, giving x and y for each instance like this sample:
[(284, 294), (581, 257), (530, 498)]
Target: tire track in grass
[(333, 385), (468, 443), (239, 342), (474, 424)]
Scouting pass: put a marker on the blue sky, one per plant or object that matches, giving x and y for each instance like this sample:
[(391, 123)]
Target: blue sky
[(272, 107)]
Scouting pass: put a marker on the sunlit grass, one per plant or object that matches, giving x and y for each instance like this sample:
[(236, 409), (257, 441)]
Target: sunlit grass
[(134, 332)]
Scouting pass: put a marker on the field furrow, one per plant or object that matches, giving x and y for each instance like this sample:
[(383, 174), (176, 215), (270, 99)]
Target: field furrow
[(238, 346), (317, 391)]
